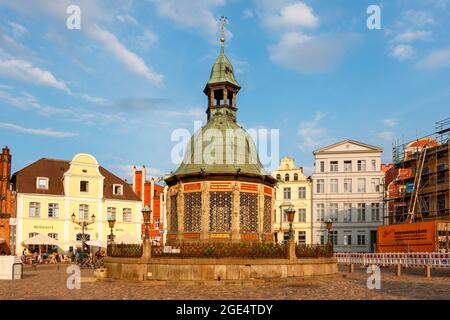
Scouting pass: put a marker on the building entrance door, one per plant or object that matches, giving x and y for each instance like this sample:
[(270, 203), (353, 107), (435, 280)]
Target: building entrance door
[(373, 240)]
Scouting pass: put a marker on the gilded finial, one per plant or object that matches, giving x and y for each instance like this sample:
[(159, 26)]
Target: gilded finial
[(223, 24)]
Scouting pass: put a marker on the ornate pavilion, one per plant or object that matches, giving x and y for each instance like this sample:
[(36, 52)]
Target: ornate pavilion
[(221, 190)]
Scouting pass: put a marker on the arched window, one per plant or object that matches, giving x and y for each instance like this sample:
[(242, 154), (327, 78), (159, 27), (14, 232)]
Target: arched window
[(286, 177), (278, 176), (295, 176)]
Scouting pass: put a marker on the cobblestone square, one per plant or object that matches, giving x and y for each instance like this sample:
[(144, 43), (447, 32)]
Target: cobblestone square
[(50, 283)]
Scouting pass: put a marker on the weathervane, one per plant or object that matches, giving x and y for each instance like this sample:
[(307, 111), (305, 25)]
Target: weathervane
[(223, 24)]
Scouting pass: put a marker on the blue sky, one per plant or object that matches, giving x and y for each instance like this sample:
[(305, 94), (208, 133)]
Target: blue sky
[(135, 71)]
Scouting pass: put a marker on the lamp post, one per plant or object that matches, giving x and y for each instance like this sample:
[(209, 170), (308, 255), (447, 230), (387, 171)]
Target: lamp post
[(147, 248), (111, 223), (146, 213), (83, 224), (290, 212), (329, 225)]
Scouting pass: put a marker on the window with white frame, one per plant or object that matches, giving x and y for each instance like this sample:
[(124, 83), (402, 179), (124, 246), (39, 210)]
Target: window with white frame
[(333, 166), (361, 212), (348, 185), (347, 238), (334, 211), (34, 210), (287, 193), (375, 211), (321, 238), (83, 211), (361, 238), (53, 210), (320, 185), (284, 215), (302, 193), (375, 182), (374, 165), (117, 189), (42, 183), (302, 237), (126, 214), (334, 186), (84, 186), (347, 212), (361, 165), (286, 177), (157, 223), (301, 215), (320, 211), (53, 235), (348, 165), (361, 185), (111, 213), (322, 166)]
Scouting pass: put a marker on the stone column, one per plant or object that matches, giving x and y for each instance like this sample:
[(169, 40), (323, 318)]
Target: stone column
[(147, 249), (235, 214), (180, 211), (225, 95), (204, 235), (260, 210)]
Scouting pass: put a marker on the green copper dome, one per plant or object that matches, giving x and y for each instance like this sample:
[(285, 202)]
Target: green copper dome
[(222, 70), (221, 147)]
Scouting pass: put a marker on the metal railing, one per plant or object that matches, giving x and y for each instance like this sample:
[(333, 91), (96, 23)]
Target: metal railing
[(124, 250), (414, 260)]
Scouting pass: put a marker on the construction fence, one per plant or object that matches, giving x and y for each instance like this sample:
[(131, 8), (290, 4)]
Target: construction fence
[(407, 260)]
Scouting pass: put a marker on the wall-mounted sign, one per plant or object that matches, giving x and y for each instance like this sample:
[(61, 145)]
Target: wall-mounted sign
[(43, 227), (249, 187), (220, 186), (219, 236), (192, 187)]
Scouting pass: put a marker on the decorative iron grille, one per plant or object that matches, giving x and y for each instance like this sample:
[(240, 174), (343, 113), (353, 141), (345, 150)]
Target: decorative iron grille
[(217, 250), (124, 250), (248, 212), (192, 212), (313, 251), (173, 214), (220, 209), (267, 218)]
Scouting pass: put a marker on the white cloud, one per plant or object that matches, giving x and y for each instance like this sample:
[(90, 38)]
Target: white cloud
[(308, 54), (39, 132), (96, 100), (132, 61), (147, 39), (25, 71), (402, 51), (17, 29), (386, 136), (389, 122), (126, 18), (248, 13), (411, 35), (195, 14), (438, 59), (311, 134), (297, 15), (418, 18)]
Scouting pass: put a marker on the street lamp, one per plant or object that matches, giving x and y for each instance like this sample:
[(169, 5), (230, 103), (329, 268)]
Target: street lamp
[(111, 223), (329, 225), (83, 224), (146, 213), (290, 212)]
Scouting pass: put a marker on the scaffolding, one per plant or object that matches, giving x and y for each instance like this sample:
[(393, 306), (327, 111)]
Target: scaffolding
[(420, 190)]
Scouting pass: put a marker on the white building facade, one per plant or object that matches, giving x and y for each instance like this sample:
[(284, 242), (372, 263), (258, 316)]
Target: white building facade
[(347, 188), (293, 188)]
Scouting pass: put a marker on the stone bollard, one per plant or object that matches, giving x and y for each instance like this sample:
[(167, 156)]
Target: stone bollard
[(351, 267), (101, 273), (290, 250), (398, 270), (428, 271), (147, 249)]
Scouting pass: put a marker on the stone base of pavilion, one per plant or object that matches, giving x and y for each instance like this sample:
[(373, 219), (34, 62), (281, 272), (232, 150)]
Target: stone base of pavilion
[(222, 269)]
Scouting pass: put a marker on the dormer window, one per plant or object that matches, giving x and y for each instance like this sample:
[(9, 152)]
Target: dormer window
[(117, 189), (42, 183), (84, 186)]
